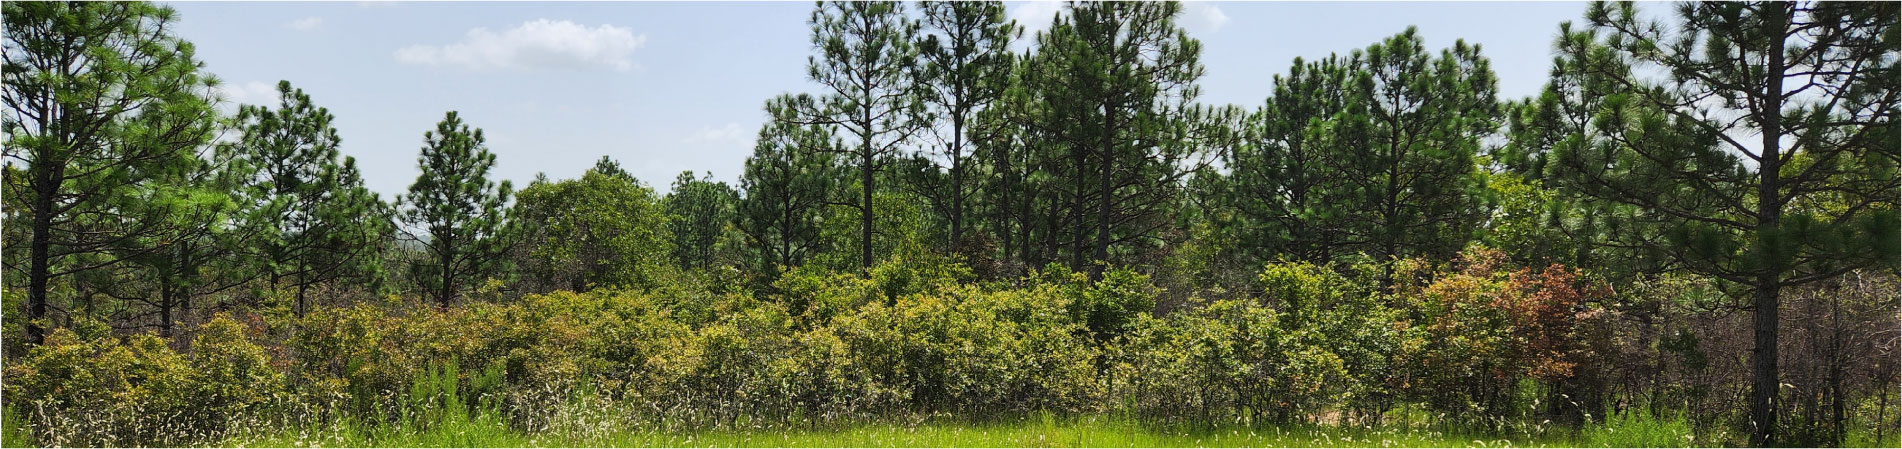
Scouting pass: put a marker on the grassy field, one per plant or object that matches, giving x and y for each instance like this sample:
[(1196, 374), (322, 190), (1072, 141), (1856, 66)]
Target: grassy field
[(484, 430), (1035, 431)]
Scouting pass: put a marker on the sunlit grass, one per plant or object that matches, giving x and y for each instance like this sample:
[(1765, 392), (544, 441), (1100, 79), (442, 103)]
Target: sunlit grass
[(1030, 431)]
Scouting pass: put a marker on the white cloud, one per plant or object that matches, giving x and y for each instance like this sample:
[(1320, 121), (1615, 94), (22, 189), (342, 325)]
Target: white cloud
[(305, 24), (731, 133), (541, 43), (1203, 17), (255, 92)]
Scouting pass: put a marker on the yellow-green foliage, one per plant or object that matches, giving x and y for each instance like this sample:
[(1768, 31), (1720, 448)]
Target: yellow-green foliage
[(230, 375), (1233, 357), (825, 347), (85, 387), (975, 350)]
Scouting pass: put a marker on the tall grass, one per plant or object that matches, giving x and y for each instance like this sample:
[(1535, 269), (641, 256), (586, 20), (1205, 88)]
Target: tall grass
[(1030, 431), (1640, 428)]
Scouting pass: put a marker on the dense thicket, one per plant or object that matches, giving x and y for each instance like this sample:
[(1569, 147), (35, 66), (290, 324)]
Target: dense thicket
[(948, 226)]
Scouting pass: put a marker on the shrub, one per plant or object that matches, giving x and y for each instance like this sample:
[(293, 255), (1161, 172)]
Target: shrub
[(85, 388), (230, 375), (1233, 357), (971, 350)]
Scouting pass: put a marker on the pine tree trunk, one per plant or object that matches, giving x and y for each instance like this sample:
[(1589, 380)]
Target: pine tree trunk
[(865, 193), (41, 265), (165, 309), (445, 256), (1763, 364), (1101, 254), (957, 179)]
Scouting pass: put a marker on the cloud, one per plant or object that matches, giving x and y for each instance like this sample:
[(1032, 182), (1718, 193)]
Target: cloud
[(255, 92), (540, 43), (1204, 17), (305, 24), (732, 133)]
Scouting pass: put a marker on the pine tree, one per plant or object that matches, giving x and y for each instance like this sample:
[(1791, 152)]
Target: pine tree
[(318, 222), (455, 212), (700, 212), (102, 99), (867, 60), (1282, 179), (966, 54), (787, 184), (1406, 143), (1767, 142), (1117, 85)]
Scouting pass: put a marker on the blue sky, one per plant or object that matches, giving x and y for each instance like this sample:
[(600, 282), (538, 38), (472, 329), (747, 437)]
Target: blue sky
[(667, 87)]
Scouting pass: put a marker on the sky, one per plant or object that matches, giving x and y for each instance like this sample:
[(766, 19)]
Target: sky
[(667, 87)]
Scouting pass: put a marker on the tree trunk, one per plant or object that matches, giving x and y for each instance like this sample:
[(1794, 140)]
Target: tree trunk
[(1108, 164), (1763, 364), (166, 296), (865, 192), (41, 265), (957, 179), (445, 256), (303, 305), (1763, 368)]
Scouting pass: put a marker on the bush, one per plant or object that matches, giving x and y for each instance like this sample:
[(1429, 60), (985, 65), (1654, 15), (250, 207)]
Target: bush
[(1233, 357), (967, 350), (83, 387), (230, 375)]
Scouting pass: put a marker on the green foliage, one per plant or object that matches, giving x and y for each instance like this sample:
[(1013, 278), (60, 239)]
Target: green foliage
[(101, 139), (1232, 359), (455, 212), (788, 183), (316, 222), (965, 350), (1314, 275), (701, 215), (600, 230), (84, 387), (1107, 308), (1639, 428), (230, 375)]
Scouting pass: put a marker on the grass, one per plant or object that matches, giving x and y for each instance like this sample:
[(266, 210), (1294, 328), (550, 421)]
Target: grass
[(1639, 429), (1032, 431)]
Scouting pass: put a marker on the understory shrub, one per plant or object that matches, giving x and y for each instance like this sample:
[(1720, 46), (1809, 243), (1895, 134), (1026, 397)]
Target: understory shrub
[(1468, 342)]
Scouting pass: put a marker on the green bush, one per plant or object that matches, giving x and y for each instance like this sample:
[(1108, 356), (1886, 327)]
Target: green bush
[(1231, 359), (87, 388), (967, 349), (230, 374)]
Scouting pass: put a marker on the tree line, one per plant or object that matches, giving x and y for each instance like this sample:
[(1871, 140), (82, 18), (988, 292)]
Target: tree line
[(1754, 144)]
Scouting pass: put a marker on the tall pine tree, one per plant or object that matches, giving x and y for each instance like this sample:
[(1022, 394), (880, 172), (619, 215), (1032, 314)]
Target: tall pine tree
[(788, 183), (966, 54), (455, 212), (867, 61), (1763, 133), (101, 100), (318, 222)]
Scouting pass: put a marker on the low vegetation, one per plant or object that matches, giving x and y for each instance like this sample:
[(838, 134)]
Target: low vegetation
[(957, 244)]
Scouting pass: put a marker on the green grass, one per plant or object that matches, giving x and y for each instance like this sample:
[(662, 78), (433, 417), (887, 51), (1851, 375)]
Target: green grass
[(1639, 429), (1034, 431)]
